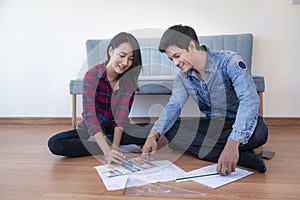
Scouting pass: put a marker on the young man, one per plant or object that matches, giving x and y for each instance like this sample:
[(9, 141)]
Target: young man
[(222, 86)]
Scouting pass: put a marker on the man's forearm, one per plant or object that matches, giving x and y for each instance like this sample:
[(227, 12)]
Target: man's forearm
[(154, 134)]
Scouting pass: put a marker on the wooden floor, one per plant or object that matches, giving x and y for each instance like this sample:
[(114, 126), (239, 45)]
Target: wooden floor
[(29, 171)]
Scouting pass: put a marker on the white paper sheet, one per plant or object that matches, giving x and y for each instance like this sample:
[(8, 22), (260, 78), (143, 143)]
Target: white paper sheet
[(217, 180), (163, 171)]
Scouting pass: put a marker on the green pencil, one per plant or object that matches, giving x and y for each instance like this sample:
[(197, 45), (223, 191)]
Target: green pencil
[(195, 177)]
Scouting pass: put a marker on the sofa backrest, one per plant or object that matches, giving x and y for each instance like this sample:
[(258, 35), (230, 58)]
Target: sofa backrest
[(157, 64)]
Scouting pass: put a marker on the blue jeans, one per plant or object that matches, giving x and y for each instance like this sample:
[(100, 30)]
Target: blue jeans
[(206, 138), (76, 143)]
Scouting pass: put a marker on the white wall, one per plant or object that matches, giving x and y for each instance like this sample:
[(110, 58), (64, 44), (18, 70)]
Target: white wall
[(42, 45)]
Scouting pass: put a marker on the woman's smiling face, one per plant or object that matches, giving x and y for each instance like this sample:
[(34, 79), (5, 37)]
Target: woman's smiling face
[(121, 58)]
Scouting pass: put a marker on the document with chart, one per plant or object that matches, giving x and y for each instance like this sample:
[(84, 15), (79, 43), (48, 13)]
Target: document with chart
[(137, 173)]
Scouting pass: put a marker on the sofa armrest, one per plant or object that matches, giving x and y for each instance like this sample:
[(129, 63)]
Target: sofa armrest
[(259, 82), (75, 86)]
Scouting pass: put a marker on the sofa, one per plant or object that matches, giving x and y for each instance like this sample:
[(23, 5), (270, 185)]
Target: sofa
[(158, 74)]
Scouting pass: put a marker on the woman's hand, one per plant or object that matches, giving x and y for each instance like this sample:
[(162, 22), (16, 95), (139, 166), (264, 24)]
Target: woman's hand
[(113, 155)]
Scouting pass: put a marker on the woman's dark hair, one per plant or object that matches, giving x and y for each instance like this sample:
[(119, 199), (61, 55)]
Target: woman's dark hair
[(130, 76), (179, 36)]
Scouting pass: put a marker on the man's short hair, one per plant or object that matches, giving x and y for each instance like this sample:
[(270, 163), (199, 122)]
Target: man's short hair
[(179, 36)]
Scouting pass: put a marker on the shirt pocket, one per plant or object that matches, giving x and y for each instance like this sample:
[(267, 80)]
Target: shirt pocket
[(218, 95), (192, 92)]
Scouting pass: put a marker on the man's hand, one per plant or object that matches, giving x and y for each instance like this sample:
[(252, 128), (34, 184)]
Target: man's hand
[(228, 158), (150, 146)]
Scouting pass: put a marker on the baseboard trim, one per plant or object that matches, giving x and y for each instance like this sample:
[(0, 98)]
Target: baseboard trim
[(35, 121), (277, 122)]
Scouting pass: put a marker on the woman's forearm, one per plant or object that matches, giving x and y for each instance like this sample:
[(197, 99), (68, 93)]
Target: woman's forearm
[(101, 141), (118, 131)]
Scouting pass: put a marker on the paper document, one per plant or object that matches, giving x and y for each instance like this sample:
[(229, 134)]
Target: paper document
[(163, 170), (216, 181)]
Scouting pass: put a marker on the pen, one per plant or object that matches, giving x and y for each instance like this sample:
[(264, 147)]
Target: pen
[(195, 177)]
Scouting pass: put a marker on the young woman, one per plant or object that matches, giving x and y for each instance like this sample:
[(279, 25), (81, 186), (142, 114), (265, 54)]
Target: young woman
[(108, 92)]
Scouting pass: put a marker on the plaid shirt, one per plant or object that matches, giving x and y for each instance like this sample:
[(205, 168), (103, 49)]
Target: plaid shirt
[(103, 108)]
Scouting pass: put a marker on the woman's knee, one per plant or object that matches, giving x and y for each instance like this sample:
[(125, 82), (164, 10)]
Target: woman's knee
[(54, 145), (56, 142)]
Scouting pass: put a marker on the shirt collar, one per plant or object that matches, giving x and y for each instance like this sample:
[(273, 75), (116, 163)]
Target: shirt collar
[(210, 64), (102, 72)]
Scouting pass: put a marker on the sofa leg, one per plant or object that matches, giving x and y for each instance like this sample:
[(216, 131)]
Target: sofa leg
[(261, 103), (73, 111)]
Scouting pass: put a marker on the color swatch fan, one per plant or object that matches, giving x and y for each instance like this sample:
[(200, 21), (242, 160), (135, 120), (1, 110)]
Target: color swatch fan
[(128, 167)]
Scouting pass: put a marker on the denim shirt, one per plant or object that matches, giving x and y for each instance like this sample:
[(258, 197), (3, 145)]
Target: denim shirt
[(228, 91)]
